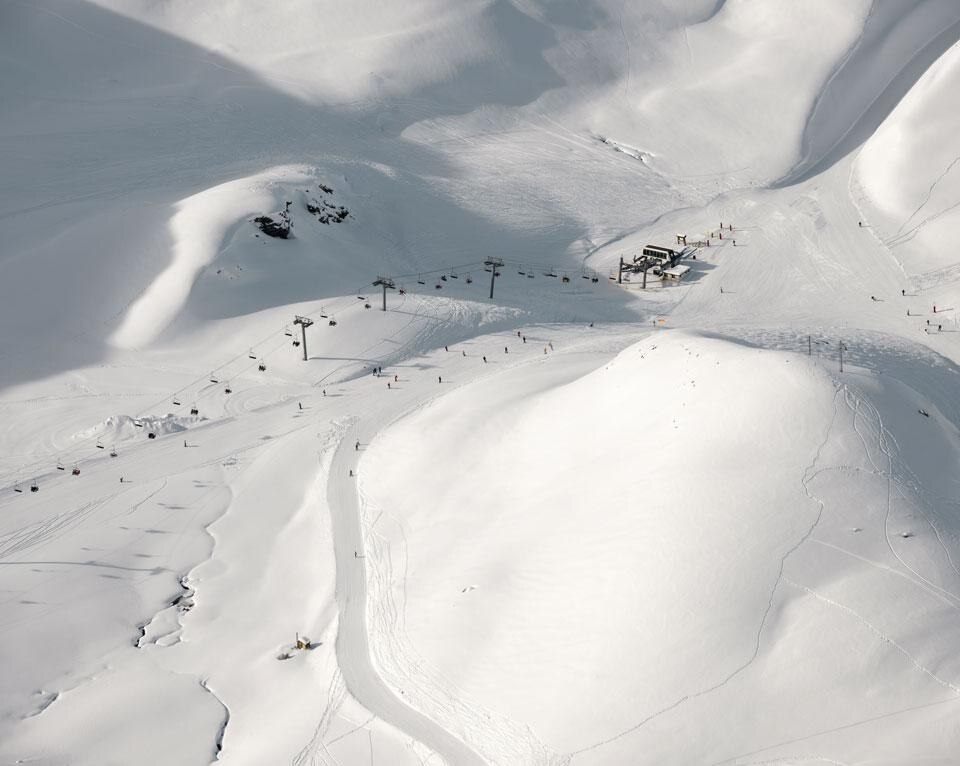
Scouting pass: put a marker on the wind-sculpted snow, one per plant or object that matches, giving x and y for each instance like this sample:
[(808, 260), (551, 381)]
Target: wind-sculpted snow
[(901, 39)]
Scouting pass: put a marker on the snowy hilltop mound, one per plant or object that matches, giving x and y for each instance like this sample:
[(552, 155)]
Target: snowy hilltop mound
[(663, 536)]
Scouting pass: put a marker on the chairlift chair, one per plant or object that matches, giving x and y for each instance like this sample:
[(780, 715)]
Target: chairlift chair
[(227, 389), (76, 470), (420, 279), (99, 445), (138, 423), (497, 274), (286, 331), (530, 275), (366, 305), (453, 276), (251, 355), (323, 313), (262, 367), (60, 466), (439, 286), (151, 435), (34, 487), (443, 277), (565, 278), (113, 452), (332, 322), (295, 343), (469, 279), (594, 279), (176, 402), (213, 378), (194, 410), (17, 488)]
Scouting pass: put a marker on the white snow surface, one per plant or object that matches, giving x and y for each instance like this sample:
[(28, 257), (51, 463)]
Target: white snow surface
[(581, 522)]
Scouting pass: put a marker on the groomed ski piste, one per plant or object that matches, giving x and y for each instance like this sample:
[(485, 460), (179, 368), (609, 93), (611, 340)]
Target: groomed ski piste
[(707, 522)]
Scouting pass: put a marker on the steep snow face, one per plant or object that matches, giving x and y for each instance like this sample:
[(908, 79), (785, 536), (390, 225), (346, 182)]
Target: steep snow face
[(909, 176), (899, 41)]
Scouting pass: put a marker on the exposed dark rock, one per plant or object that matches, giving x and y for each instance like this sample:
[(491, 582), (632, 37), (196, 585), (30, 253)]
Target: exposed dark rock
[(276, 224)]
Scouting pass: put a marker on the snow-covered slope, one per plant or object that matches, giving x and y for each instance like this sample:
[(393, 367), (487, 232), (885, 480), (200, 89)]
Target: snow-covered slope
[(908, 179), (595, 524)]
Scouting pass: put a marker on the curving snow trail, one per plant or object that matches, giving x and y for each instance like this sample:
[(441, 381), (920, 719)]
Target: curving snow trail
[(352, 648)]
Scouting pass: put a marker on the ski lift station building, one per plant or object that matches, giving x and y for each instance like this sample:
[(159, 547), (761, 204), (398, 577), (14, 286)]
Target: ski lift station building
[(663, 255)]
